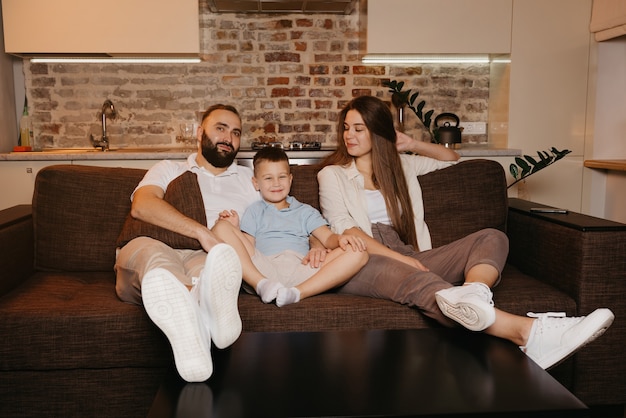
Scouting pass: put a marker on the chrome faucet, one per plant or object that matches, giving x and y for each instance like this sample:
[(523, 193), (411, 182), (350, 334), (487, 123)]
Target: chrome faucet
[(107, 110)]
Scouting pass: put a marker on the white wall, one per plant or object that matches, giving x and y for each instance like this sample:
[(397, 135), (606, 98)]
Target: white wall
[(20, 87), (8, 124), (604, 190), (610, 115), (550, 67)]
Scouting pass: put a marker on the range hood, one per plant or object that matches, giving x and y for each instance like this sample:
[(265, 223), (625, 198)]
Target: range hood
[(282, 6)]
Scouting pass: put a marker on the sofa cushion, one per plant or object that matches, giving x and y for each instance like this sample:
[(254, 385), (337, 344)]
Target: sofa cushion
[(63, 320), (463, 199), (329, 311), (78, 213), (183, 193), (304, 186)]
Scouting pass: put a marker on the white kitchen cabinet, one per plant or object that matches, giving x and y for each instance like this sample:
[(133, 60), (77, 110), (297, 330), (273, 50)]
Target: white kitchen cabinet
[(113, 27), (439, 26), (17, 178), (17, 181), (548, 103)]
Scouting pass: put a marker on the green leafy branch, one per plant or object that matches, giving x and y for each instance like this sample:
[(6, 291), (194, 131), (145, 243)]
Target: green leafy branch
[(528, 165), (401, 98)]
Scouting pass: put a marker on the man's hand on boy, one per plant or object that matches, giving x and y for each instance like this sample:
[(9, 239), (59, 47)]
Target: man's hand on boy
[(231, 216)]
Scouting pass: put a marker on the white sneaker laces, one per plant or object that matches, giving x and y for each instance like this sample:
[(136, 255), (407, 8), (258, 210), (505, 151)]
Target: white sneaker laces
[(549, 321), (546, 315), (555, 319)]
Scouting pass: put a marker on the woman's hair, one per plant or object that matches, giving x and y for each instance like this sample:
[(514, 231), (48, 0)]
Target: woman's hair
[(388, 175)]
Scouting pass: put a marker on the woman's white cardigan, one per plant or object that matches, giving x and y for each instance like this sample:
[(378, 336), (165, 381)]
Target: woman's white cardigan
[(342, 197)]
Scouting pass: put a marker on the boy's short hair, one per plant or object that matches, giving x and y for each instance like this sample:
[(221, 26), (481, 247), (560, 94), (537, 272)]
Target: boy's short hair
[(270, 154)]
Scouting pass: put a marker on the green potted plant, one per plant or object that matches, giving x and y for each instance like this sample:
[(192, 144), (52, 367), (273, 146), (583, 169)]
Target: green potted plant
[(401, 98), (524, 167), (520, 170)]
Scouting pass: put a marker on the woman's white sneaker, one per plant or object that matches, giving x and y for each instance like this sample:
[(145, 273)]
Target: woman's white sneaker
[(554, 337), (470, 305)]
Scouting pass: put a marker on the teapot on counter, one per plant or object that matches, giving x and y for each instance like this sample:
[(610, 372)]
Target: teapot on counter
[(447, 134)]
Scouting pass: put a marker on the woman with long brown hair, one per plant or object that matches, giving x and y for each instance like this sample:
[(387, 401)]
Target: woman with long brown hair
[(371, 191)]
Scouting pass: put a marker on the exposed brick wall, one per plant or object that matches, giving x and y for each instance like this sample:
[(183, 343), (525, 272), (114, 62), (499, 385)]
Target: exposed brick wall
[(287, 74)]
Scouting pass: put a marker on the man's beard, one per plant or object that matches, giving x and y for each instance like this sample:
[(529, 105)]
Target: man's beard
[(214, 156)]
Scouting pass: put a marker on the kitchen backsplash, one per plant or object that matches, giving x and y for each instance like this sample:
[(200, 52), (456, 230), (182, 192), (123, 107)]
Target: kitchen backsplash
[(287, 74)]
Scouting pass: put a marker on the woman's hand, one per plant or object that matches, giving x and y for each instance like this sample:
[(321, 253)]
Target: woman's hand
[(355, 242), (413, 262), (405, 143)]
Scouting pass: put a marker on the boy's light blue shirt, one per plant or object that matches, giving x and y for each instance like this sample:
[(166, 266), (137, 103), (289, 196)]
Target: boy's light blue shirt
[(276, 230)]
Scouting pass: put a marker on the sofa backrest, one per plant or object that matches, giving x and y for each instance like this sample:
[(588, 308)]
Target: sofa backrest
[(458, 200), (79, 211), (464, 198)]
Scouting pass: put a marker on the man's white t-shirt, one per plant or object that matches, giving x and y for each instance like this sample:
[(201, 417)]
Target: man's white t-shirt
[(229, 190)]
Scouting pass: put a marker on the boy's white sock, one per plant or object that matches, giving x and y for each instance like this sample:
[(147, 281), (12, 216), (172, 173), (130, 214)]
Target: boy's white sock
[(287, 296), (268, 289)]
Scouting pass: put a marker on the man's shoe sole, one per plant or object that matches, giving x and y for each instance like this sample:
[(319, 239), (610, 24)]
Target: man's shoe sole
[(170, 306), (221, 281)]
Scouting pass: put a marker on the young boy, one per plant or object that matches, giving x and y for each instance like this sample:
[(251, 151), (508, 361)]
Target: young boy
[(274, 232)]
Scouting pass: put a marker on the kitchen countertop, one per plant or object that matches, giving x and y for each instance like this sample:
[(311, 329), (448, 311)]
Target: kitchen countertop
[(616, 165), (78, 154)]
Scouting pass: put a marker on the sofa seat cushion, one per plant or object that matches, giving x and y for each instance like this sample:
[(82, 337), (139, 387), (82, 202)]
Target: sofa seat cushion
[(68, 320), (519, 294), (75, 320), (328, 312)]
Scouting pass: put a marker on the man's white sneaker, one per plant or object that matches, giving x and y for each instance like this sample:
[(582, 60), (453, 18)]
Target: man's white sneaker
[(170, 306), (554, 337), (470, 305), (219, 283)]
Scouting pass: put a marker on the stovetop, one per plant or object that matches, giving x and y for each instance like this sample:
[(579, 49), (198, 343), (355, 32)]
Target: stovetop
[(290, 146)]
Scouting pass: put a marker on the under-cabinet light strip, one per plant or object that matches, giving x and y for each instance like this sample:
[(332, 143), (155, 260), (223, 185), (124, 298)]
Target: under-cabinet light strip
[(114, 60), (431, 59)]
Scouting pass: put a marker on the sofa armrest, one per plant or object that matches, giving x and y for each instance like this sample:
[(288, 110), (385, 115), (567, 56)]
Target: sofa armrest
[(585, 257), (581, 255), (16, 246)]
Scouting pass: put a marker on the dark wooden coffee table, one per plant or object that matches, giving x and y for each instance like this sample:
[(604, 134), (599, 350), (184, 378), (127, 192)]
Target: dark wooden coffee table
[(431, 372)]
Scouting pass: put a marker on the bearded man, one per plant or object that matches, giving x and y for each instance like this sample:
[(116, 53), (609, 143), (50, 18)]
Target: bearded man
[(190, 292)]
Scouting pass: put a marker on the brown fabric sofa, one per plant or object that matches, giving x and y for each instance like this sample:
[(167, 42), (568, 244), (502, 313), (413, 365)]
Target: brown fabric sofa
[(69, 347)]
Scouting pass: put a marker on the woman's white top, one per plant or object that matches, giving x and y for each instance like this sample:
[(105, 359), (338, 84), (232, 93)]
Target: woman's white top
[(376, 207), (343, 201)]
